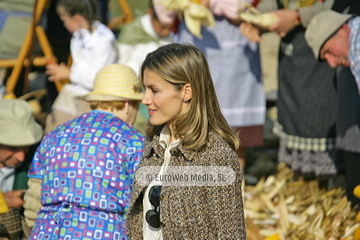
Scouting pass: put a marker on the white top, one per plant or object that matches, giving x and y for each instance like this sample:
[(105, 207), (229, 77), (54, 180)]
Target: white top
[(90, 52), (7, 178), (149, 232), (134, 55)]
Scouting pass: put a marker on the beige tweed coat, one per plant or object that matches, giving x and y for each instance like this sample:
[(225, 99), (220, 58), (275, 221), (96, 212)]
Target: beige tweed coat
[(193, 212)]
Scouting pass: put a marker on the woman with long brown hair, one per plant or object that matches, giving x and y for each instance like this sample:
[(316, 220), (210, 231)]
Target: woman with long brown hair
[(187, 130)]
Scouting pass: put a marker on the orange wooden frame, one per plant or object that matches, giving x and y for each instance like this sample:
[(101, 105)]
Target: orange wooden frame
[(23, 59), (127, 17)]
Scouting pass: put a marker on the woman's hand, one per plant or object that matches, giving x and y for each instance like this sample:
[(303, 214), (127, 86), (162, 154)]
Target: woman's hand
[(57, 72), (288, 20), (250, 31)]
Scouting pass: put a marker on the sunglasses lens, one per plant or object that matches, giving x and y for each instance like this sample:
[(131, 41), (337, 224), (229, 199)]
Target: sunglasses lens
[(154, 195), (152, 217)]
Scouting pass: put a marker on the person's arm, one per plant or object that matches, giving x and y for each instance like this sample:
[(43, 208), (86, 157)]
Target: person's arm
[(228, 198), (32, 201), (12, 199), (252, 32), (57, 72), (33, 193), (306, 13), (290, 18), (211, 205)]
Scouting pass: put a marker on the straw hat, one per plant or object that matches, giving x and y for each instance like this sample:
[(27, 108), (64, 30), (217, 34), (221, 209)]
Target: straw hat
[(115, 82), (17, 123), (322, 27)]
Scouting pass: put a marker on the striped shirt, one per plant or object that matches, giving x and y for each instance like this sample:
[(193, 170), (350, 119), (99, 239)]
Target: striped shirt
[(354, 51)]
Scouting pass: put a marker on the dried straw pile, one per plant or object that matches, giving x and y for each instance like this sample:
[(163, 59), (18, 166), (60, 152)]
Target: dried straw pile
[(283, 208)]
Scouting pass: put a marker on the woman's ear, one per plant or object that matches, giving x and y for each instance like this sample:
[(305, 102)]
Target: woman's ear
[(187, 92), (127, 107)]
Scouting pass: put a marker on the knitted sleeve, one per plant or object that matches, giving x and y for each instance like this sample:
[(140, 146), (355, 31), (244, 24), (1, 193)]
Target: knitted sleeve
[(32, 201)]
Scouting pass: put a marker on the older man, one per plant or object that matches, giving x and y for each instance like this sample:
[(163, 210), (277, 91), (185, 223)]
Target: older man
[(18, 131), (335, 37)]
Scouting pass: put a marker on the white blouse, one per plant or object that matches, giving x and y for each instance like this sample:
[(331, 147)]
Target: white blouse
[(149, 232), (90, 52)]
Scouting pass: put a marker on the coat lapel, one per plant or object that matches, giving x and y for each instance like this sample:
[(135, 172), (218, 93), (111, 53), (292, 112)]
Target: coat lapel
[(153, 155)]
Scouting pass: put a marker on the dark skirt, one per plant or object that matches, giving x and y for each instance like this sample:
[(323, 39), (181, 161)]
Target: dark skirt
[(307, 110), (307, 102)]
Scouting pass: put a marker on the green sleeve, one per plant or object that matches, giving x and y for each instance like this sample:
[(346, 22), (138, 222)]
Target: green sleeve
[(21, 173)]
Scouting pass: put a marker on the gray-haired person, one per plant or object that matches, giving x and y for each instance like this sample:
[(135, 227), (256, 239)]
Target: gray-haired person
[(335, 37), (18, 132)]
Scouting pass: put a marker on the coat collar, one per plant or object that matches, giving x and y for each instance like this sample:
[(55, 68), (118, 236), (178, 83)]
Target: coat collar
[(155, 147)]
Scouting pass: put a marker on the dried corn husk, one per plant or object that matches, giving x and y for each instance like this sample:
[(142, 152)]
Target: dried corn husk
[(284, 208), (251, 15), (195, 14)]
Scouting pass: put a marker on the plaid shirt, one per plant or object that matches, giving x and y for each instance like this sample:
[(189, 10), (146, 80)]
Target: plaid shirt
[(354, 51)]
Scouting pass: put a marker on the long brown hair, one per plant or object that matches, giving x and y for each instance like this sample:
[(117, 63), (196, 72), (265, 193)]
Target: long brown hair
[(180, 64)]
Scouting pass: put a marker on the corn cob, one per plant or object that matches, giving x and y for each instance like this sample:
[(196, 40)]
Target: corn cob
[(3, 206)]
